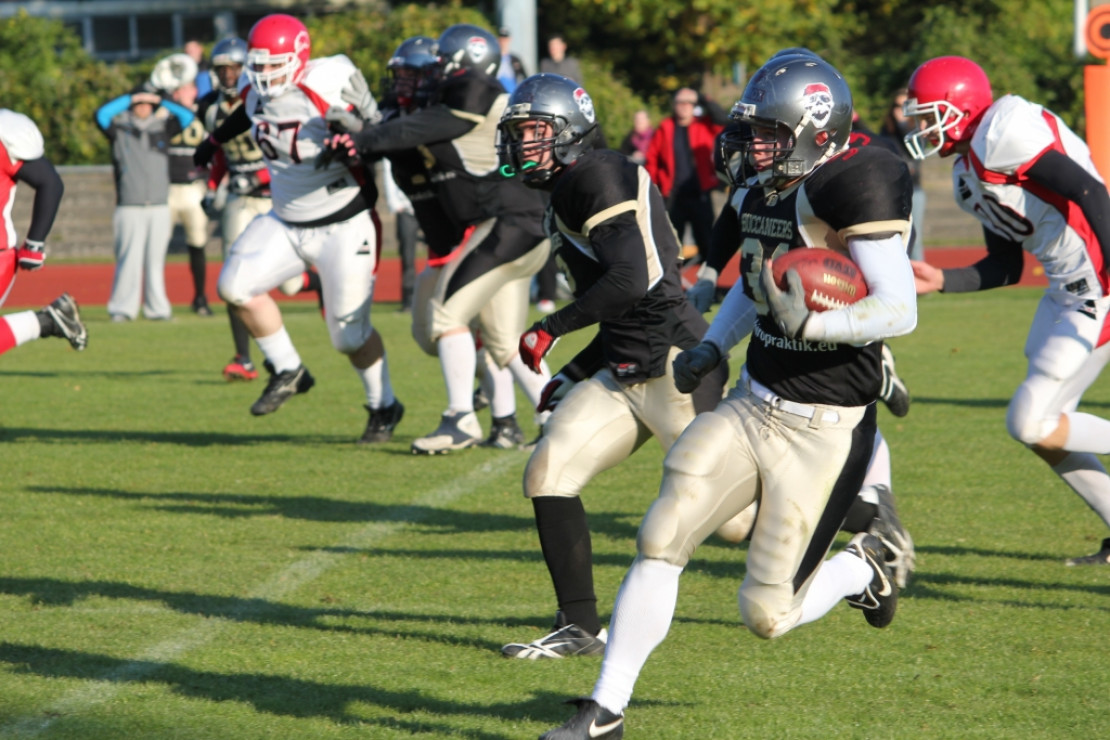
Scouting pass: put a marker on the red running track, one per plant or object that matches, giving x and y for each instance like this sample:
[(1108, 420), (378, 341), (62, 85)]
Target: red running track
[(91, 283)]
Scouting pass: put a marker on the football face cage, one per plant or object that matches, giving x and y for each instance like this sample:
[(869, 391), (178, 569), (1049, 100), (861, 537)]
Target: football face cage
[(466, 46), (571, 123), (947, 98), (413, 69), (278, 49), (227, 60), (808, 106)]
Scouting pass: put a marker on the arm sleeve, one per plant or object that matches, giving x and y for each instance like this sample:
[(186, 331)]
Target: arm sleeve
[(217, 170), (111, 109), (890, 307), (620, 249), (1002, 266), (236, 123), (1062, 174), (437, 123), (734, 320), (41, 175), (183, 115)]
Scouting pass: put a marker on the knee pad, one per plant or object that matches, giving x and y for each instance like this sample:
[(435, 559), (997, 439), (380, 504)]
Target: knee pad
[(767, 609), (229, 292), (1025, 420), (349, 337)]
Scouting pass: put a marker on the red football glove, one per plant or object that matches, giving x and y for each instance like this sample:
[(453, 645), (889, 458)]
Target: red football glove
[(554, 392), (534, 344), (31, 255)]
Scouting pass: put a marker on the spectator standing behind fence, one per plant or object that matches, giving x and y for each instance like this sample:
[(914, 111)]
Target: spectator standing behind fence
[(204, 76), (896, 126), (140, 125), (175, 76), (680, 163), (511, 72), (635, 144), (557, 61)]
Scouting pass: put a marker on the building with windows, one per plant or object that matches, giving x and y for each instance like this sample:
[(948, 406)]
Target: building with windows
[(133, 29)]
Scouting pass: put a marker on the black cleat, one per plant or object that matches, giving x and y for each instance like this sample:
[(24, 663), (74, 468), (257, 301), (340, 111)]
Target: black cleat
[(1102, 557), (382, 422), (67, 321), (880, 599), (200, 306), (593, 722), (281, 387), (893, 391), (565, 640), (504, 434)]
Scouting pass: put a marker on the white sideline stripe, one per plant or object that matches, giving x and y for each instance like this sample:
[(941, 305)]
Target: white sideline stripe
[(297, 574)]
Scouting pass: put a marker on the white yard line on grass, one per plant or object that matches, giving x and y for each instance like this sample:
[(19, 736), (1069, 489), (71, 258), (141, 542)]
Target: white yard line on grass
[(304, 571)]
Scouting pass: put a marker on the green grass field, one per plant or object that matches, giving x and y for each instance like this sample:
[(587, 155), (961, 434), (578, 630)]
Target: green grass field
[(175, 568)]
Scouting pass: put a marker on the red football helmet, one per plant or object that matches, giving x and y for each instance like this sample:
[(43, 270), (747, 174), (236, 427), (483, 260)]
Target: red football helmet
[(950, 95), (277, 52)]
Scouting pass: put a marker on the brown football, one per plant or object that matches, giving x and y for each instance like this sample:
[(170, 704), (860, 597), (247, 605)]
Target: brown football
[(831, 279)]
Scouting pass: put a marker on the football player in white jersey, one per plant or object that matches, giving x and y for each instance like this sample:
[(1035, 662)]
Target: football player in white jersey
[(322, 216), (23, 159), (1031, 182)]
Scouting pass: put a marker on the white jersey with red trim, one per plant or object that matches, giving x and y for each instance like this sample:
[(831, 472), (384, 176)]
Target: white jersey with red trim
[(991, 182), (290, 130), (20, 141)]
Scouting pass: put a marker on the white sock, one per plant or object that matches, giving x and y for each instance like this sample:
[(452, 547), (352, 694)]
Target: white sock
[(458, 359), (24, 325), (531, 383), (842, 575), (878, 471), (1087, 433), (641, 618), (375, 379), (498, 382), (1083, 472), (279, 350)]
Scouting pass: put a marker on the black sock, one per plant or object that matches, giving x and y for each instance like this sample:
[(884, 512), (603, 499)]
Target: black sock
[(196, 268), (47, 325), (565, 541), (860, 515), (239, 335)]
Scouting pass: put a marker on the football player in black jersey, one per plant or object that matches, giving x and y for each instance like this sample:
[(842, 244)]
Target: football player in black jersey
[(612, 238), (490, 271), (797, 431)]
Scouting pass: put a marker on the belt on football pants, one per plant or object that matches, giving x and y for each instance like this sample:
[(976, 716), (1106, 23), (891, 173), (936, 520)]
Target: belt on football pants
[(804, 410)]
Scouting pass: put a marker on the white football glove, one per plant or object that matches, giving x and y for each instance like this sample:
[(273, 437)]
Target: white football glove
[(702, 293), (788, 308)]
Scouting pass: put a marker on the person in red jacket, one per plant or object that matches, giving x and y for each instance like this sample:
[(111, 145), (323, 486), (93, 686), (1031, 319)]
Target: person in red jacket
[(680, 163)]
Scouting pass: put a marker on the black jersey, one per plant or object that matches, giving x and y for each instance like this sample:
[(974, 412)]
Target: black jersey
[(181, 148), (244, 155), (864, 191), (412, 173), (456, 134), (611, 235)]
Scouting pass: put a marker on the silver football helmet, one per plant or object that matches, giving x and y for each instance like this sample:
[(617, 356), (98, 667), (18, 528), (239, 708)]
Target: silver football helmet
[(808, 105), (228, 52), (466, 46), (564, 105)]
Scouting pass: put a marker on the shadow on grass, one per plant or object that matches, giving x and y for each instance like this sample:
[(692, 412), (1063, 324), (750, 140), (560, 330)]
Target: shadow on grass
[(308, 508), (287, 696), (987, 403), (186, 439)]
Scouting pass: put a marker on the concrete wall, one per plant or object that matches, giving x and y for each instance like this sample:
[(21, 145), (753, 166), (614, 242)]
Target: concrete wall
[(83, 229)]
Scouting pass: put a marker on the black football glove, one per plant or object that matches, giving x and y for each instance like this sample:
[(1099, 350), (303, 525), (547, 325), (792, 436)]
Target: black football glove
[(690, 366)]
